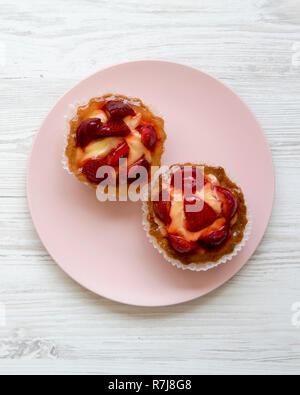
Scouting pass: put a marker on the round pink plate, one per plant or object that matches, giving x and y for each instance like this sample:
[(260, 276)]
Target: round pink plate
[(103, 245)]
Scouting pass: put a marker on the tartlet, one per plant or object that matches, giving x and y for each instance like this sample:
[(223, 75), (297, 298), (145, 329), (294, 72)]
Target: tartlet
[(210, 233), (110, 128)]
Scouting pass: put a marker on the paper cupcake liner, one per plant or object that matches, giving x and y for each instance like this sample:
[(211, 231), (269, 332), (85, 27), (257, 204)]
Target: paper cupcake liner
[(198, 267)]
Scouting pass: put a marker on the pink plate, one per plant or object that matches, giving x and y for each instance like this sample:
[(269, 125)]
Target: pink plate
[(103, 245)]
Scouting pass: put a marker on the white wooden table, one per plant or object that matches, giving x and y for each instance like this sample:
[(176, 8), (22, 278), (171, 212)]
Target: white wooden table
[(55, 326)]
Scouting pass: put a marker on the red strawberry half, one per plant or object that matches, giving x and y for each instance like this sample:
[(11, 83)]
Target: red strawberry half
[(162, 207), (140, 163), (117, 109), (90, 169), (196, 221), (149, 137), (180, 244), (192, 179), (120, 152), (87, 131), (113, 128), (229, 202), (215, 239)]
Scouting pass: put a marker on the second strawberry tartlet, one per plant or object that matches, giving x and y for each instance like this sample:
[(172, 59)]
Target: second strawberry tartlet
[(110, 128), (196, 216)]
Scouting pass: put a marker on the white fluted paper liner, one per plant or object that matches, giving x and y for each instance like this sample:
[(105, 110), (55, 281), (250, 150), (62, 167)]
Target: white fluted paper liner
[(198, 267), (72, 113)]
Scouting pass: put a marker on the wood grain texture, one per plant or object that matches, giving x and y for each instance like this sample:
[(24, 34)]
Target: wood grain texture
[(54, 325)]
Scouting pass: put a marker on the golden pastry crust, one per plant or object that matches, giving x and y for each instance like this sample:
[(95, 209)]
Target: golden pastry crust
[(203, 256), (84, 112)]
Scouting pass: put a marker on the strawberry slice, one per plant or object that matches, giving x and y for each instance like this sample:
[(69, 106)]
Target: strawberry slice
[(215, 238), (90, 169), (229, 202), (87, 131), (162, 207), (113, 128), (118, 109), (196, 221), (192, 179), (149, 137), (180, 244), (140, 163), (122, 151)]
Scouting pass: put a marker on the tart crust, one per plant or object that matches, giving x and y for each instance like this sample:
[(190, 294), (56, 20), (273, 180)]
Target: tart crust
[(95, 104), (236, 233)]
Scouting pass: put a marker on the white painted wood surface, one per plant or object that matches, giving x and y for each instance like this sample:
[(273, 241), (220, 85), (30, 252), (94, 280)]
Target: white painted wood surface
[(55, 326)]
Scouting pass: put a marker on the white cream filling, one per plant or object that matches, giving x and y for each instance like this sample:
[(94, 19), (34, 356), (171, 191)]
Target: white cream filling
[(213, 179), (133, 122), (137, 148), (211, 199), (99, 114), (99, 148)]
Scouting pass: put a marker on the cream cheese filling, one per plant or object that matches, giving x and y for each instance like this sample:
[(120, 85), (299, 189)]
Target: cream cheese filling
[(98, 149), (99, 114), (137, 148)]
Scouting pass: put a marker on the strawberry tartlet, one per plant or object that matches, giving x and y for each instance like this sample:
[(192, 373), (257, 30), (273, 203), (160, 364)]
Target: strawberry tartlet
[(196, 216), (110, 128)]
